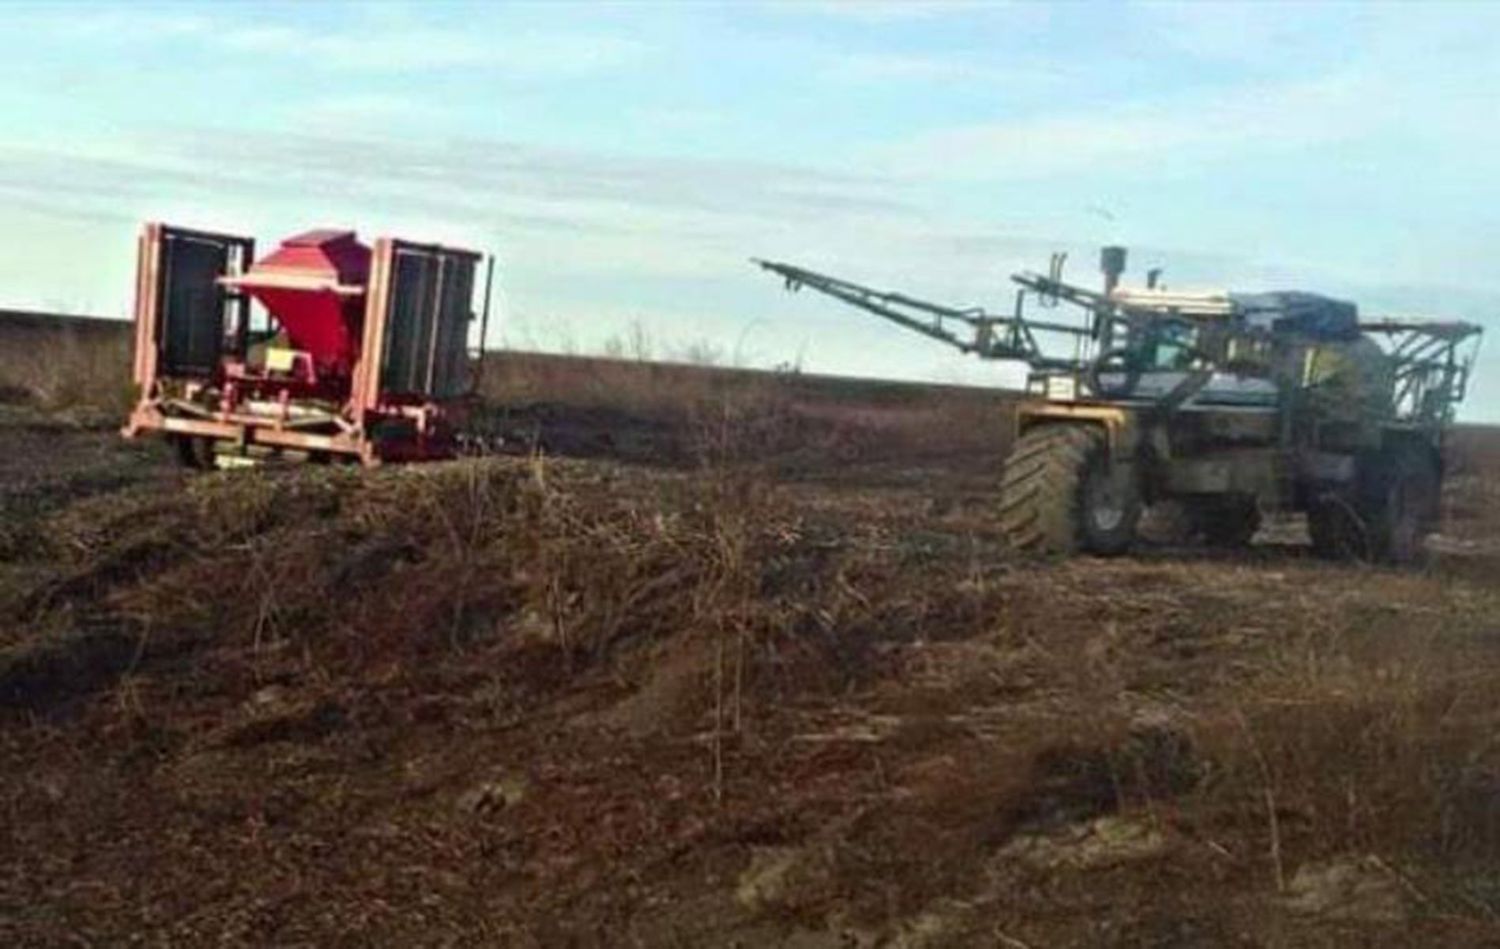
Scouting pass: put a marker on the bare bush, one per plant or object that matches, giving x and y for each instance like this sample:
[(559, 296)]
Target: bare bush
[(68, 369)]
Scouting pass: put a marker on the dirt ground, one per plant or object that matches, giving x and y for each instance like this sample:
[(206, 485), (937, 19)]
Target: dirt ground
[(801, 701)]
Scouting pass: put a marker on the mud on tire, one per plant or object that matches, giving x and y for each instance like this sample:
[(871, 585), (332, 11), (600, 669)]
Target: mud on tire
[(1059, 494)]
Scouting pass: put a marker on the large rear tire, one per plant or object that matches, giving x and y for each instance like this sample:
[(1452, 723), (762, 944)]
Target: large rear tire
[(1059, 493), (1335, 531), (1400, 504), (1395, 507)]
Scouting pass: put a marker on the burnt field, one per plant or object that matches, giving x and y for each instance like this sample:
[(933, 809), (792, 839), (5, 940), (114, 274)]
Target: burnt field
[(738, 659)]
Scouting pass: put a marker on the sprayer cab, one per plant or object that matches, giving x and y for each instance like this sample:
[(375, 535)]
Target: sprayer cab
[(326, 347)]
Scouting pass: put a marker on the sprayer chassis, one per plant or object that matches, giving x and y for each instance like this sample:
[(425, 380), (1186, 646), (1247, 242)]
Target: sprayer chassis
[(1080, 472)]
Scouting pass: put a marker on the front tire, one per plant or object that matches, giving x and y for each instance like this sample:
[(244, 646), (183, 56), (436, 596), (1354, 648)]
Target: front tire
[(1060, 493)]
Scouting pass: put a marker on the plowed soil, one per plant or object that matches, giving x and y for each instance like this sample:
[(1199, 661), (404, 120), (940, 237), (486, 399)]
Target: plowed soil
[(551, 701)]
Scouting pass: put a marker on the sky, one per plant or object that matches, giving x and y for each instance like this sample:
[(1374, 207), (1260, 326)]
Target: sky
[(625, 160)]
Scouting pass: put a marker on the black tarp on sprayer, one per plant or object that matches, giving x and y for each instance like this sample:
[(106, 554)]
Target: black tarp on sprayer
[(1304, 314)]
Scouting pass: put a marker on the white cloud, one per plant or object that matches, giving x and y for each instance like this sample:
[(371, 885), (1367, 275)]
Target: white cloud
[(353, 111), (394, 49), (1270, 117), (905, 69), (120, 25), (1244, 33), (891, 11), (384, 44), (674, 120), (566, 211)]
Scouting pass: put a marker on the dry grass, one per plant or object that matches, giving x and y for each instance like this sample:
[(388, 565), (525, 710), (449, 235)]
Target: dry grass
[(558, 696), (661, 412), (1473, 450), (488, 593), (1370, 732), (544, 702), (79, 365)]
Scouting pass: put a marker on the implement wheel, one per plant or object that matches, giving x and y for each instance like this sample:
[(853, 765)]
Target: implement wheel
[(1060, 494), (194, 451)]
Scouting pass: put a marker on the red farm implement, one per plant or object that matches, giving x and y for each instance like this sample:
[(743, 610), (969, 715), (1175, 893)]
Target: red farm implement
[(326, 348)]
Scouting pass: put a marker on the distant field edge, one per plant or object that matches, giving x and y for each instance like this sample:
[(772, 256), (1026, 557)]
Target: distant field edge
[(35, 323), (40, 321)]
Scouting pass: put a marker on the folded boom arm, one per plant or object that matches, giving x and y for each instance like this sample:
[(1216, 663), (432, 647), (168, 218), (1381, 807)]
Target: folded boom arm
[(994, 337)]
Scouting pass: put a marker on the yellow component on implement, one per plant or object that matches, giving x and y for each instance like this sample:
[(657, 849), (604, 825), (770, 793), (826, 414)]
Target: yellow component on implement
[(280, 360)]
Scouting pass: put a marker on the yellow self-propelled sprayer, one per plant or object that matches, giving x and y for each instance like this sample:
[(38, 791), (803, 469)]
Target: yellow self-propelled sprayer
[(1233, 404)]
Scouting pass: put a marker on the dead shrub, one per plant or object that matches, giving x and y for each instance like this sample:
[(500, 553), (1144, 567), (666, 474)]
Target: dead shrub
[(356, 572), (1380, 744)]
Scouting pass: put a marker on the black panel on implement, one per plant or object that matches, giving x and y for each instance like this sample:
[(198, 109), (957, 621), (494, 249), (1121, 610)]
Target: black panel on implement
[(192, 304), (426, 338), (450, 376)]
